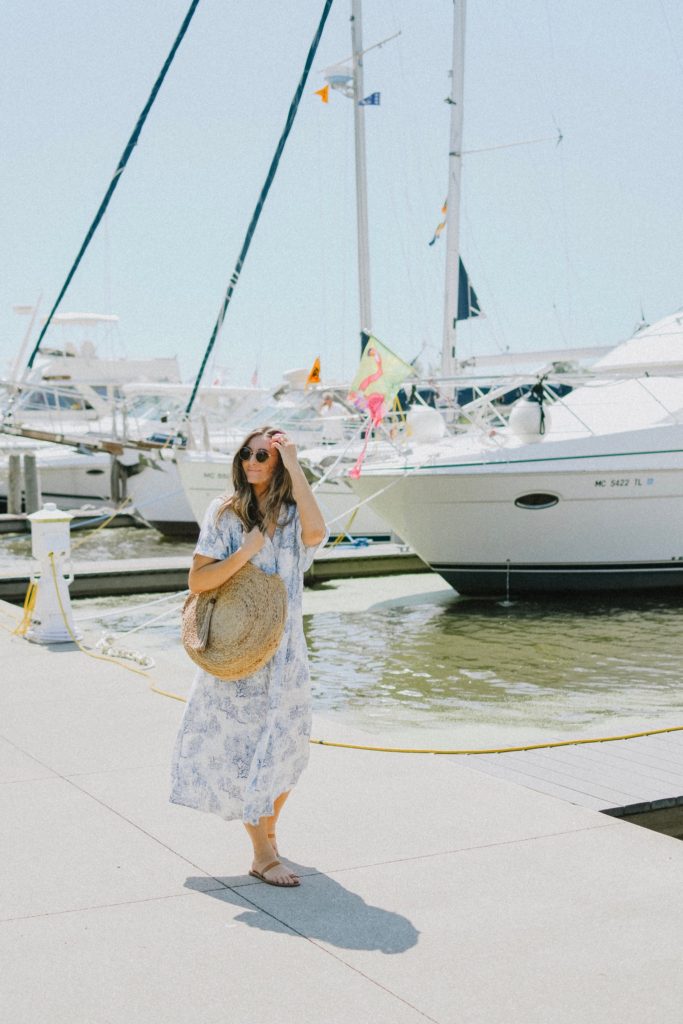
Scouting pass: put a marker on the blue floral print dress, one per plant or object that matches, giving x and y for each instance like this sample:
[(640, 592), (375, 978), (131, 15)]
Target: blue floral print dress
[(242, 743)]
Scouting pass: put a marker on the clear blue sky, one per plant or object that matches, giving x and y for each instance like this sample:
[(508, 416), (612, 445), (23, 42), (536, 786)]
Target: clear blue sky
[(564, 245)]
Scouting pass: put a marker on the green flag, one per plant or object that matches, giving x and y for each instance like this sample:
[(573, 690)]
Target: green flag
[(379, 376)]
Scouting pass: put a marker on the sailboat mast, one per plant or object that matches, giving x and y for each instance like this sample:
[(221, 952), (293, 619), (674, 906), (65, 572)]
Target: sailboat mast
[(448, 357), (361, 173)]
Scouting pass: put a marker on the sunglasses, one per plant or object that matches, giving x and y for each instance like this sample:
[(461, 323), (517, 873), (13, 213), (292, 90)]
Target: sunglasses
[(246, 453)]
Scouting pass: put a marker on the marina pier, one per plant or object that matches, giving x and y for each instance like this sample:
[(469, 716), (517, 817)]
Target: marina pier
[(489, 829), (431, 890), (160, 575)]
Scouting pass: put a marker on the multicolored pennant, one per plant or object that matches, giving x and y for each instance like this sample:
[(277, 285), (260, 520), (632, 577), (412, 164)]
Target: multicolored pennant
[(439, 229), (379, 376), (442, 225), (468, 303)]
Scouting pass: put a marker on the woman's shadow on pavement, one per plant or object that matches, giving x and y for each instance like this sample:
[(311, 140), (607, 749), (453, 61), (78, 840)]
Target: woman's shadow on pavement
[(319, 908)]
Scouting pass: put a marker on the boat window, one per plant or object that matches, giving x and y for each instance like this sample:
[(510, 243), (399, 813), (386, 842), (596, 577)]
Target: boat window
[(34, 400), (70, 399), (537, 500)]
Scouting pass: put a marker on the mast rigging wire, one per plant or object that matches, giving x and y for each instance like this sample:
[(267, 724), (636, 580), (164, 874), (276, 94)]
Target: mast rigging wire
[(293, 108), (132, 142)]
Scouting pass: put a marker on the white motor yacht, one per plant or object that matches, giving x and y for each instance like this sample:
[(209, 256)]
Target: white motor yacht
[(580, 493)]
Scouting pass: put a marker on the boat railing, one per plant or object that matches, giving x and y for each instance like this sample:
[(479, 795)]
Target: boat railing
[(489, 411), (57, 407), (491, 400)]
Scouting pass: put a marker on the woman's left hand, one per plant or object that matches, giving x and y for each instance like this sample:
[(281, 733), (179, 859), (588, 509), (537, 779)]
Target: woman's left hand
[(287, 450)]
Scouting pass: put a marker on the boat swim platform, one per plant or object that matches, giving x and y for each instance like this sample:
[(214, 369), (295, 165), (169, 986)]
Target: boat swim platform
[(165, 574), (430, 892)]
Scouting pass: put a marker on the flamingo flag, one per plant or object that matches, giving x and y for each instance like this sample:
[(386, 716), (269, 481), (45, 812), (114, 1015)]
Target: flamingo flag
[(379, 376)]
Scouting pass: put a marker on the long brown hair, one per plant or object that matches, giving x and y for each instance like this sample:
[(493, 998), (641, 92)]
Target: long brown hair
[(243, 500)]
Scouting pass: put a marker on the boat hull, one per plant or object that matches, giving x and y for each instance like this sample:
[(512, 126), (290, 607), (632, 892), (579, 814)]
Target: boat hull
[(205, 477), (568, 519), (156, 492), (512, 581), (68, 478)]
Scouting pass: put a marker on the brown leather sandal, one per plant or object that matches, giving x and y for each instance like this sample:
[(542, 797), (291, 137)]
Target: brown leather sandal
[(261, 875)]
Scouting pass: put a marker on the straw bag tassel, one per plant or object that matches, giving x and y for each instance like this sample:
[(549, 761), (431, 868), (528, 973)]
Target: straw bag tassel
[(203, 633)]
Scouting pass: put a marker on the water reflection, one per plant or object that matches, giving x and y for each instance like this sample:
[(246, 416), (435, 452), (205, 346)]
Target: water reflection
[(540, 663), (121, 542)]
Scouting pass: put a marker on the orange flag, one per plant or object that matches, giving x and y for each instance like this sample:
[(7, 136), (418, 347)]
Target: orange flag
[(324, 93), (314, 375)]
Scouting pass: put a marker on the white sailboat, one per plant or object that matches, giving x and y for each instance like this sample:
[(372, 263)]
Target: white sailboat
[(75, 388), (74, 384), (77, 393), (206, 473)]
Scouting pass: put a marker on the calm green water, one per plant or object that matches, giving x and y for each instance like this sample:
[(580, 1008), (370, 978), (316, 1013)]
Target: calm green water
[(484, 670), (124, 542), (439, 669)]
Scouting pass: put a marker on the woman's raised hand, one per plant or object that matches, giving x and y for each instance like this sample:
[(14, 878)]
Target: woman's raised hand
[(253, 541), (287, 450)]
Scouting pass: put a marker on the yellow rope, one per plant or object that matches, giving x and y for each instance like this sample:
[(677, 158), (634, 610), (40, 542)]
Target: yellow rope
[(489, 750), (29, 604), (345, 529), (165, 693), (99, 657), (32, 589), (91, 534), (84, 650), (502, 750)]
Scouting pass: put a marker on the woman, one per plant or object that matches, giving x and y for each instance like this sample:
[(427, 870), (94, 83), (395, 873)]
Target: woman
[(243, 745)]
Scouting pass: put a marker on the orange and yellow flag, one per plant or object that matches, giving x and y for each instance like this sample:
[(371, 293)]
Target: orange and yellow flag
[(314, 375), (324, 93)]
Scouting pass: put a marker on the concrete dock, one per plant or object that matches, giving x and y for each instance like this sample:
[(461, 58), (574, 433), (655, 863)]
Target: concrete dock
[(166, 574), (431, 890)]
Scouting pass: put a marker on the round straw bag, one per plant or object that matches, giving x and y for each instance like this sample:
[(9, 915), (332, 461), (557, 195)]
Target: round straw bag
[(235, 630)]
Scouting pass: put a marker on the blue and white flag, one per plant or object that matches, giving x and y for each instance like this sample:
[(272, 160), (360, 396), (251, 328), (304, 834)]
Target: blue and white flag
[(370, 101)]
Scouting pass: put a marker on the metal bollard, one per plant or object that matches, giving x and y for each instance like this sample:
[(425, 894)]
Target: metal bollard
[(52, 621)]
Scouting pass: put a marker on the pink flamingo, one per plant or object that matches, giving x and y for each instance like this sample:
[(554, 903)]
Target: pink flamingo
[(374, 354), (374, 402)]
